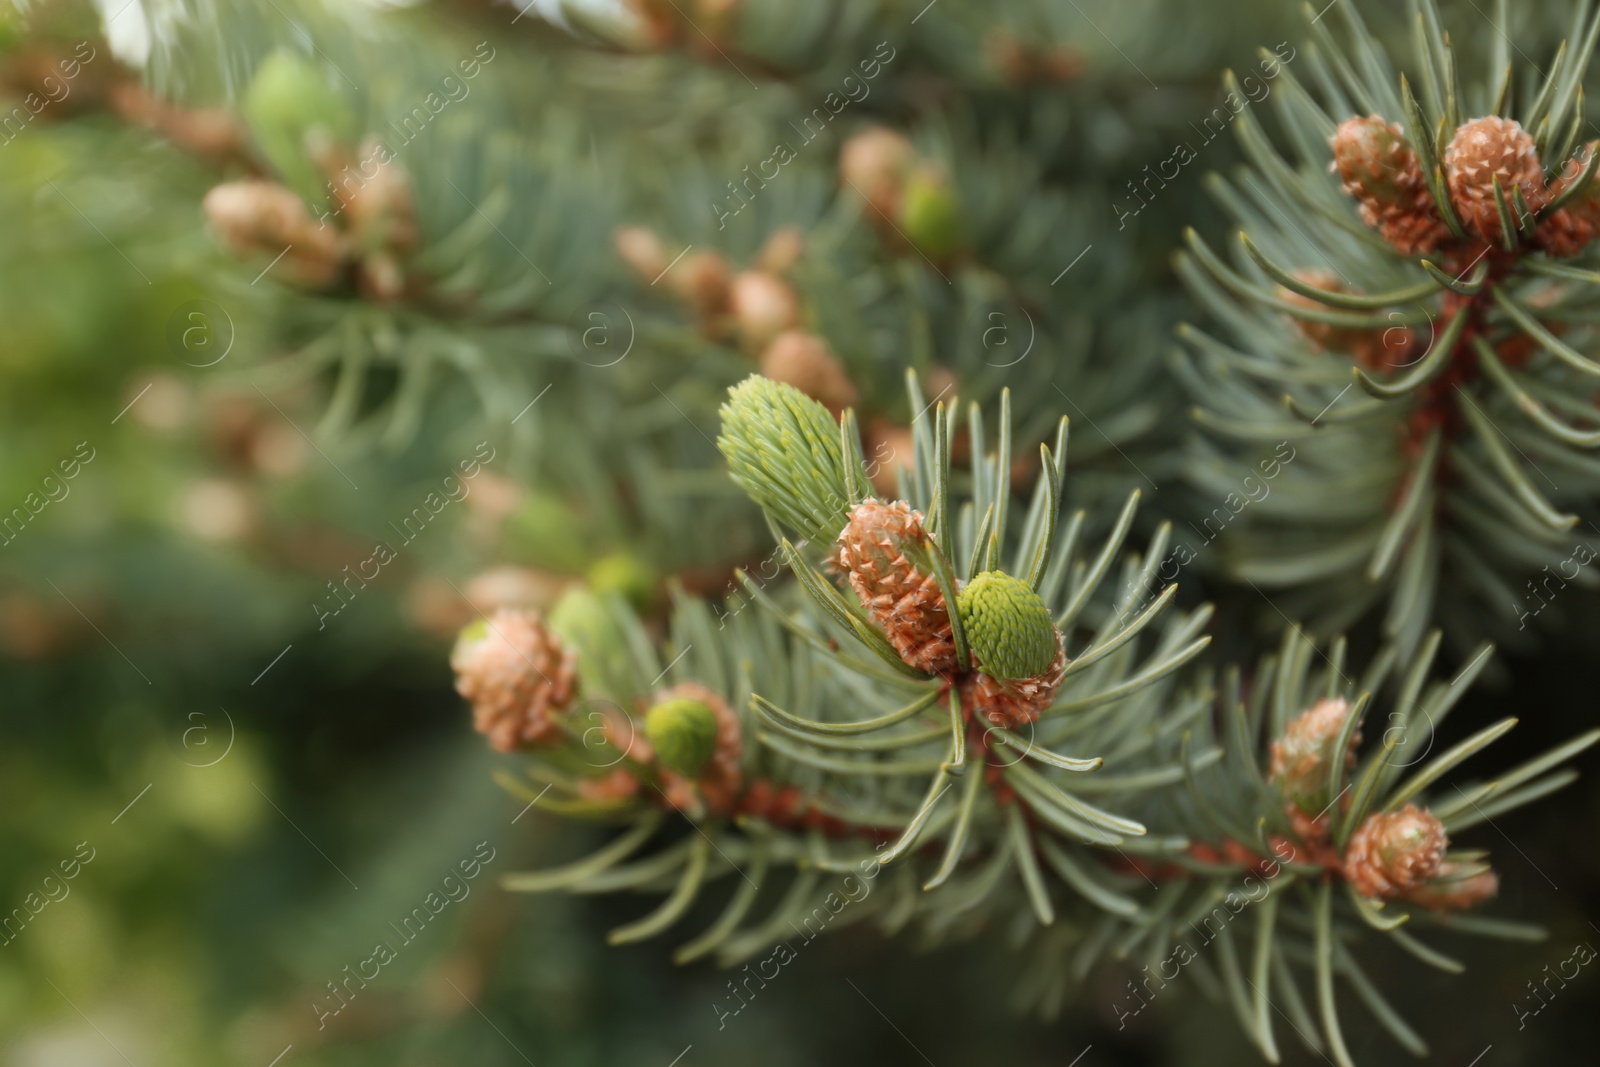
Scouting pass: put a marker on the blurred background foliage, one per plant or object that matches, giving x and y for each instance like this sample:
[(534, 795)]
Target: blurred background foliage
[(264, 788)]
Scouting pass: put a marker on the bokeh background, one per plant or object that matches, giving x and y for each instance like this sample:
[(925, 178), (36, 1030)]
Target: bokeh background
[(263, 790)]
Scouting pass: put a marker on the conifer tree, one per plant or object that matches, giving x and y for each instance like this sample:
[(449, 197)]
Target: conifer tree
[(787, 318)]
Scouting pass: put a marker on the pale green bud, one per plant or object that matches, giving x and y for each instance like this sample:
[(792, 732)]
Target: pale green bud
[(783, 449), (683, 733), (289, 106), (1008, 626), (930, 214)]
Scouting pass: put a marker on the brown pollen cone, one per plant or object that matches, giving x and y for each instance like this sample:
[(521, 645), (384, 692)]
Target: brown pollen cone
[(518, 677), (259, 217), (888, 448), (1569, 229), (805, 361), (640, 248), (782, 250), (1564, 233), (702, 280), (874, 163), (1301, 764), (905, 601), (617, 787), (1394, 853), (1014, 704), (1373, 349), (215, 133), (381, 213), (1383, 174), (1482, 151), (763, 306)]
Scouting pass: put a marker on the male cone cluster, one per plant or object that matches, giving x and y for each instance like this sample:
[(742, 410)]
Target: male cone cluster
[(1302, 763), (1384, 174), (1569, 228), (910, 199), (521, 678), (518, 676), (1018, 654), (1395, 855), (758, 307), (783, 449), (305, 133), (1399, 855), (1394, 852), (253, 215)]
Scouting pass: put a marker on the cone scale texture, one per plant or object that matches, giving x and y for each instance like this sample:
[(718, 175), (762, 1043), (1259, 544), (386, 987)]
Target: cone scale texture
[(1392, 853), (518, 677), (1008, 626), (905, 601), (1383, 174), (1481, 152)]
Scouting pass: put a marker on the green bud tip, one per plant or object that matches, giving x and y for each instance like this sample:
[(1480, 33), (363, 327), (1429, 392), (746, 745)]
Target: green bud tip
[(290, 102), (1008, 626), (683, 733), (288, 90), (783, 449)]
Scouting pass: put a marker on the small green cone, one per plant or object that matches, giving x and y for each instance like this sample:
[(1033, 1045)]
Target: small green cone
[(930, 214), (1008, 626), (288, 100), (683, 733)]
